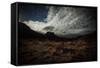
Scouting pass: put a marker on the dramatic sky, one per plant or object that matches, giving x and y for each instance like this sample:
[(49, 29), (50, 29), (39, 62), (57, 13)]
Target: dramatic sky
[(62, 21), (32, 12)]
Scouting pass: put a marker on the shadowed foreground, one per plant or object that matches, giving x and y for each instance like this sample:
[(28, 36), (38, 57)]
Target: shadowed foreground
[(40, 51)]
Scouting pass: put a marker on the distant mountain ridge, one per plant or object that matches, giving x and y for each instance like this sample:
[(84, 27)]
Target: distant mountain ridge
[(25, 32)]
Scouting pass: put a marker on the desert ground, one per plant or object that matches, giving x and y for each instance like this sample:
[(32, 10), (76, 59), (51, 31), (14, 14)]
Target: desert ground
[(41, 51)]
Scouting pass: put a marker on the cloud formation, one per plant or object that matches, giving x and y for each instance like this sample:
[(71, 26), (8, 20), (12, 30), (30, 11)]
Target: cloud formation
[(66, 22)]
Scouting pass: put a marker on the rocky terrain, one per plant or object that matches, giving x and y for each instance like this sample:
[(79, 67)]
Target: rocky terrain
[(35, 48)]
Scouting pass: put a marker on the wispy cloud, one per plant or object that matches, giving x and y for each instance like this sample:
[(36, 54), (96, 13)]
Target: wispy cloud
[(65, 21)]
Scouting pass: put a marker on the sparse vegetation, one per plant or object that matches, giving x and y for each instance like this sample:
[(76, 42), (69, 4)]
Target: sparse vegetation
[(51, 51)]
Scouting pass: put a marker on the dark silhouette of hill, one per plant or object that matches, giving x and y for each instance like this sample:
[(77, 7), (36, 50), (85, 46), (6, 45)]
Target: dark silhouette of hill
[(52, 36), (25, 32)]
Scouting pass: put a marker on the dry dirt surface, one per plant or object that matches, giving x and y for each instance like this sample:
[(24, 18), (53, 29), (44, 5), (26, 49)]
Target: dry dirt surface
[(40, 51)]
